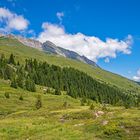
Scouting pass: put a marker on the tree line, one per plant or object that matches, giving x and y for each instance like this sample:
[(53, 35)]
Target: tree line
[(74, 82)]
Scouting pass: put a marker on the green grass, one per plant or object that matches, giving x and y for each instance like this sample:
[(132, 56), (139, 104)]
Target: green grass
[(8, 46), (21, 120)]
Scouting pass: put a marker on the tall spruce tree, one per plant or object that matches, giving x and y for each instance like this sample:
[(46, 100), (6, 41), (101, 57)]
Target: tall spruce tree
[(11, 59)]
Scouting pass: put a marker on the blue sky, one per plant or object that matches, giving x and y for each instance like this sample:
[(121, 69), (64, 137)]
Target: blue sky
[(115, 19)]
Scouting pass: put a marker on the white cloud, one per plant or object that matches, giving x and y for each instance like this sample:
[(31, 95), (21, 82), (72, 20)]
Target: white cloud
[(137, 76), (89, 46), (60, 15), (11, 21)]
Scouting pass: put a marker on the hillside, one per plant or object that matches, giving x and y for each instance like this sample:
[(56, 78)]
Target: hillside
[(45, 115), (19, 119), (50, 48), (8, 46)]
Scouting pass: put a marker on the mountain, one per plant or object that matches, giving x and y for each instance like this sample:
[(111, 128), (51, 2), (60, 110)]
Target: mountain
[(30, 42), (53, 49), (23, 52)]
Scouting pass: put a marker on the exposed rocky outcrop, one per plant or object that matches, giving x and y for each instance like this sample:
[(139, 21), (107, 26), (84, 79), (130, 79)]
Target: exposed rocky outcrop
[(53, 49), (30, 42)]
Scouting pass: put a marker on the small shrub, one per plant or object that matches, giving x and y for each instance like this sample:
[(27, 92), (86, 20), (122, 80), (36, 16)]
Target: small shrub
[(92, 107), (21, 97), (38, 104), (7, 95), (57, 92)]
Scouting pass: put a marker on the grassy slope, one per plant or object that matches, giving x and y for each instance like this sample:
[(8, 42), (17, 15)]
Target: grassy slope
[(22, 52), (20, 120)]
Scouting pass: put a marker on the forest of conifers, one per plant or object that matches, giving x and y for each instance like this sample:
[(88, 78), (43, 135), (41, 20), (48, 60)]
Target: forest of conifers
[(75, 83)]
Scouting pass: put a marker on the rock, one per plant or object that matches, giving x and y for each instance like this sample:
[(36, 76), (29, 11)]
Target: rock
[(105, 122), (62, 120), (99, 113)]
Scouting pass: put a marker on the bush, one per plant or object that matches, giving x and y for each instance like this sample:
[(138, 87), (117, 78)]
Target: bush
[(21, 98), (57, 92), (38, 104), (92, 107), (7, 95)]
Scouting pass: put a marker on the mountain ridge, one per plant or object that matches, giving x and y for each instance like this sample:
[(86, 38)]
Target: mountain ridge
[(51, 48)]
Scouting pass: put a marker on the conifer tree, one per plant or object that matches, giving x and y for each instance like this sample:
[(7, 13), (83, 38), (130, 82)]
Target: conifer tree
[(11, 59)]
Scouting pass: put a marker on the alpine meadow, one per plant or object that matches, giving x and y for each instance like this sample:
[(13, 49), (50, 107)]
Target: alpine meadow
[(74, 84)]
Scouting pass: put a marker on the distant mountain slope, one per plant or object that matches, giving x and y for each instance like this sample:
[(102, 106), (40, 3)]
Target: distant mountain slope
[(10, 45), (53, 49)]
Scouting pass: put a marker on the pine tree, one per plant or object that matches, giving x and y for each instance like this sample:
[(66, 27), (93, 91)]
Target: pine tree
[(11, 59)]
